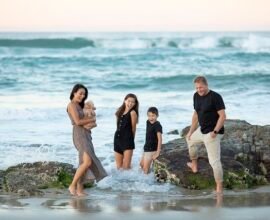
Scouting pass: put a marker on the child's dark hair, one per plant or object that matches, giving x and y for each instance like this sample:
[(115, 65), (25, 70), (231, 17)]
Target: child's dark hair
[(121, 109), (153, 110)]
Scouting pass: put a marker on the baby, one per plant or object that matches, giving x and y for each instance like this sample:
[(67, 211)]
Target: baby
[(89, 112)]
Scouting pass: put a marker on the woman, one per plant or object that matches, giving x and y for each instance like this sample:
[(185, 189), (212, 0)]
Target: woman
[(83, 141), (127, 118)]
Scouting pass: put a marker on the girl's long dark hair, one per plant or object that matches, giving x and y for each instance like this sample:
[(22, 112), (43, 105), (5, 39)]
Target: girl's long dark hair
[(122, 108), (75, 89)]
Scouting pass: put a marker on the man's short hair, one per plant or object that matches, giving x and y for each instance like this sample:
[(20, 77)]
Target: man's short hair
[(200, 79)]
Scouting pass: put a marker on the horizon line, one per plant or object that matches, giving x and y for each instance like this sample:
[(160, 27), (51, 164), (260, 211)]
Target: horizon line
[(129, 31)]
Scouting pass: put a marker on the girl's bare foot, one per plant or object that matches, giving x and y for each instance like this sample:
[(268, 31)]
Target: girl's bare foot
[(72, 190), (193, 168)]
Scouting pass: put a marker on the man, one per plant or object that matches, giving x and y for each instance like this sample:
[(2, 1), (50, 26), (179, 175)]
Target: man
[(210, 114)]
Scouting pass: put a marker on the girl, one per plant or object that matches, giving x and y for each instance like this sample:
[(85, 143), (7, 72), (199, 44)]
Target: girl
[(127, 117), (83, 141)]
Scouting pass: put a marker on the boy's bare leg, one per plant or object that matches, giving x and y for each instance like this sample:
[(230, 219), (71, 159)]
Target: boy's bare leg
[(146, 166), (141, 162)]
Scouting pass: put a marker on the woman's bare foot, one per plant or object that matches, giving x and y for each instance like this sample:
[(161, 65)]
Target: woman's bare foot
[(82, 193), (72, 190), (193, 168)]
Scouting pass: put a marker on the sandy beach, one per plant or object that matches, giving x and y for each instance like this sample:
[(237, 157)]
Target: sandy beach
[(248, 204)]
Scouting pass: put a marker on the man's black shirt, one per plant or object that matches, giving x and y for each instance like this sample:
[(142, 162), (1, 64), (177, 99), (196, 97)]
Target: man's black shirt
[(207, 107)]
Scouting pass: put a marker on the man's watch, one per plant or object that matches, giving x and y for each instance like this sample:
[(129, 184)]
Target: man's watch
[(216, 132)]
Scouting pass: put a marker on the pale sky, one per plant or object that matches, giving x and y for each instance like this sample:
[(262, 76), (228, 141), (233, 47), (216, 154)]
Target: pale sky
[(134, 15)]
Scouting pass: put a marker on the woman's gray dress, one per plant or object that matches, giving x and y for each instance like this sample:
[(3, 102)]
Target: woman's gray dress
[(82, 140)]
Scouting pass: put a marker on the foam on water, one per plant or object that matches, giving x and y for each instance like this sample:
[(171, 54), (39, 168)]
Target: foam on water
[(204, 43), (132, 181), (13, 154), (250, 42), (256, 44)]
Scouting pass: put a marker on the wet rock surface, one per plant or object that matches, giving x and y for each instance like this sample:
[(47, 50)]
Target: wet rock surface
[(31, 178), (245, 156)]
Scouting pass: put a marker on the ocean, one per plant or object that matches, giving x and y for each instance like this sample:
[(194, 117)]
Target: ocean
[(38, 71)]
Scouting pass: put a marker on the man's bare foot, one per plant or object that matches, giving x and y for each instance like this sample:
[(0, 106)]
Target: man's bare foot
[(193, 168), (219, 188), (72, 190), (218, 194), (219, 200)]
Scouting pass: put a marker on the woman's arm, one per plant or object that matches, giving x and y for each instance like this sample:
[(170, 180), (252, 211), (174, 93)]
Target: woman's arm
[(74, 114), (134, 119)]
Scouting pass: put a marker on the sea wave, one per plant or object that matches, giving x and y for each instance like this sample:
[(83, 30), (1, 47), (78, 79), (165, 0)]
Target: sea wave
[(54, 43), (251, 43), (256, 44)]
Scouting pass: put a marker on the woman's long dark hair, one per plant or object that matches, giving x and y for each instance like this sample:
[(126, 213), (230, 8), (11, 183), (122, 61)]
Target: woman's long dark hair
[(75, 89), (122, 108)]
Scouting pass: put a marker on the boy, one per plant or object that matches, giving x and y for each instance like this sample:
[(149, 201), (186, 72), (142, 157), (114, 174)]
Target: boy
[(153, 140)]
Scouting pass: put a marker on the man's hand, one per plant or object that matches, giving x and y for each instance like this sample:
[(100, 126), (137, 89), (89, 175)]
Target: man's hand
[(213, 135), (189, 135)]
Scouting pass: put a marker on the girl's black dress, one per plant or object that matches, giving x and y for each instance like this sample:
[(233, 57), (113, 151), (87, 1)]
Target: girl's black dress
[(123, 137)]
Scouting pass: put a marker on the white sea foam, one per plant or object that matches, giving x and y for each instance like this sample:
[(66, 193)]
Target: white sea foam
[(132, 181), (205, 42), (14, 154), (256, 44), (124, 43)]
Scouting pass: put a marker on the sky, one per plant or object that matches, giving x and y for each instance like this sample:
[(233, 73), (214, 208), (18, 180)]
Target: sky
[(134, 15)]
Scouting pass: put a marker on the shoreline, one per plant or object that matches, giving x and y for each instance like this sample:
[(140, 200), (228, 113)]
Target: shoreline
[(100, 204)]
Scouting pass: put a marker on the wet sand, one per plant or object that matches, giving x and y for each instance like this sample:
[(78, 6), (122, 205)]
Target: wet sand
[(251, 204)]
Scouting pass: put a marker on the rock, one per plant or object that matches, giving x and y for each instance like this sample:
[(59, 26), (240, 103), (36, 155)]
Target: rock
[(31, 178), (175, 132), (1, 179), (172, 44), (23, 192), (245, 155)]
